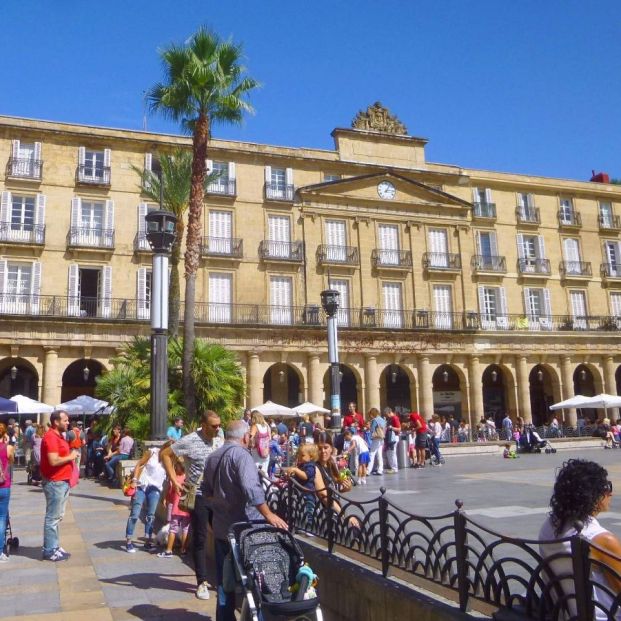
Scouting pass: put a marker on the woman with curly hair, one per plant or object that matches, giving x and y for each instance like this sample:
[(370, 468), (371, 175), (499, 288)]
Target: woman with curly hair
[(581, 492)]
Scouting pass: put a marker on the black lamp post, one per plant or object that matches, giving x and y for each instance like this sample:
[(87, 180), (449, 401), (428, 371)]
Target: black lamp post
[(161, 235), (330, 303)]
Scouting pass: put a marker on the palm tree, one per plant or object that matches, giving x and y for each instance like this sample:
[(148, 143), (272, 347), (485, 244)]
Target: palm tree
[(204, 84), (176, 173)]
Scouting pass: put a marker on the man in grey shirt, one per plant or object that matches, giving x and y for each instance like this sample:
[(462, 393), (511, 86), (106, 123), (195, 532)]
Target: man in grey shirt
[(233, 486)]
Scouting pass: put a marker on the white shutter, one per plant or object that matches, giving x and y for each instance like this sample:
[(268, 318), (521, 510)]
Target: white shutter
[(289, 176), (107, 158), (37, 156), (81, 156), (232, 171), (268, 175), (220, 231), (488, 322), (35, 288), (279, 232), (481, 293), (15, 148), (393, 305), (527, 305), (530, 200), (5, 207), (389, 244), (477, 240), (502, 301), (143, 210), (209, 166), (280, 300), (148, 161), (141, 293), (4, 305), (547, 304), (443, 306), (493, 244), (220, 297), (76, 219), (106, 291), (337, 241), (343, 313), (541, 247), (488, 196), (475, 195), (73, 293), (615, 304), (39, 218), (109, 215), (520, 246), (439, 247)]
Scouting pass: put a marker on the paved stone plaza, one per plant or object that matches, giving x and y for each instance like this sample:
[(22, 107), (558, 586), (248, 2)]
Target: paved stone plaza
[(510, 496)]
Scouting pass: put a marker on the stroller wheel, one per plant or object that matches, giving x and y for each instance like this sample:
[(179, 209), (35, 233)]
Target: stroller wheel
[(548, 451), (13, 543), (554, 450)]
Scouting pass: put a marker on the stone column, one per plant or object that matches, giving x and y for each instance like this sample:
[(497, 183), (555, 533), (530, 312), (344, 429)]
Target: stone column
[(523, 389), (50, 393), (568, 389), (610, 384), (476, 393), (425, 387), (315, 383), (255, 389), (372, 395)]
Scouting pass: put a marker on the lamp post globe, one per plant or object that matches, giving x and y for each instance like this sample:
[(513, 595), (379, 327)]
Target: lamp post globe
[(330, 302)]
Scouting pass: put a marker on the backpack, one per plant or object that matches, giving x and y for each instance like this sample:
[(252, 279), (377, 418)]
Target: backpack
[(379, 432), (263, 443), (76, 442)]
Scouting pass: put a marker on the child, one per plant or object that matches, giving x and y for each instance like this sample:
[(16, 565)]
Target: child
[(276, 454), (509, 452), (178, 520), (360, 450), (304, 474)]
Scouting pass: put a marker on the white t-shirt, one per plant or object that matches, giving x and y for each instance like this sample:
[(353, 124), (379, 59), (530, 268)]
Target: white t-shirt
[(360, 446)]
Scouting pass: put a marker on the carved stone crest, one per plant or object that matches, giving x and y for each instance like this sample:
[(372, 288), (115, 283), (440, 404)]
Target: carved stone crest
[(379, 119)]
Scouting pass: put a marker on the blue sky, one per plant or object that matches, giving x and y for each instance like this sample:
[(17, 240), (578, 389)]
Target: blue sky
[(510, 85)]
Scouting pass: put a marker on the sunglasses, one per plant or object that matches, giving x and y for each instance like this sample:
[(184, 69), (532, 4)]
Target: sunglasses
[(608, 487)]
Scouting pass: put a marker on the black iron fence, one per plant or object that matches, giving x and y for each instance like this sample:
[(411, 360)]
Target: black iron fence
[(24, 168), (85, 237), (465, 558), (22, 233), (93, 174)]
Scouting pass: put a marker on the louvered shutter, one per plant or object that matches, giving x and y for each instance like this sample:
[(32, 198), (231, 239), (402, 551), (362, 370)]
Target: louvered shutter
[(143, 210), (615, 305), (439, 244), (268, 177), (35, 288), (220, 232), (443, 307), (81, 161), (487, 320), (15, 149), (337, 241), (106, 291), (279, 231), (541, 247), (547, 305), (393, 307), (488, 196), (520, 246), (475, 195), (280, 300), (502, 319), (477, 241), (389, 244), (232, 171), (76, 219), (148, 161), (343, 313), (36, 165), (141, 293), (527, 305), (108, 233), (220, 297), (289, 177), (5, 210), (107, 158), (4, 268), (209, 166), (39, 218), (73, 293), (493, 244)]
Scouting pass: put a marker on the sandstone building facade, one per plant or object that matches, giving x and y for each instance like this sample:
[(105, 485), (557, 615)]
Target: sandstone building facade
[(462, 291)]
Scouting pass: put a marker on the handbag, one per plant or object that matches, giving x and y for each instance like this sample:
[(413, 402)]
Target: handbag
[(74, 479), (128, 489), (187, 500)]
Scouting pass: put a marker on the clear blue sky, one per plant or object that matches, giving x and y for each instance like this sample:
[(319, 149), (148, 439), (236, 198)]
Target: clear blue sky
[(522, 86)]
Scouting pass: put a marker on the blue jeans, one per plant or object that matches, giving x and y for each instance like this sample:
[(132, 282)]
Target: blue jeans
[(152, 496), (5, 495), (111, 464), (56, 495), (226, 601), (435, 448)]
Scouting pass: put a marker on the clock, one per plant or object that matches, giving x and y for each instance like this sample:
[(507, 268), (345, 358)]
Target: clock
[(386, 190)]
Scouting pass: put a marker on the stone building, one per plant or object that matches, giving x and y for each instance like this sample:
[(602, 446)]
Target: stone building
[(463, 291)]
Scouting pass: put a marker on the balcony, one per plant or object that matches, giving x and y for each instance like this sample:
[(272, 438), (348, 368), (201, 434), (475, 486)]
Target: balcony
[(89, 175), (141, 243), (277, 192), (484, 211), (337, 255), (387, 259), (225, 247), (533, 267), (492, 264), (609, 223), (222, 187), (441, 261), (32, 234), (610, 271), (80, 237), (528, 216), (281, 251), (569, 219), (24, 168), (575, 269)]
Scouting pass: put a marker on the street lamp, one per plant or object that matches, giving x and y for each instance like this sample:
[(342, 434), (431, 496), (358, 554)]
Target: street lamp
[(330, 303), (161, 227)]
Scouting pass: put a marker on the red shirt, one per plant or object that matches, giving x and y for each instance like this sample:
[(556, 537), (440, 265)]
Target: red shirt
[(53, 442), (415, 416), (394, 421), (350, 419)]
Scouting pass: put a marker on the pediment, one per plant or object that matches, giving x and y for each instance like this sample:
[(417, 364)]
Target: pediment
[(364, 189)]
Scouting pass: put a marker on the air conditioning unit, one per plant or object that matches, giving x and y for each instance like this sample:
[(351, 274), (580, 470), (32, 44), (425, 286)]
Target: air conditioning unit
[(311, 314), (368, 316), (421, 318)]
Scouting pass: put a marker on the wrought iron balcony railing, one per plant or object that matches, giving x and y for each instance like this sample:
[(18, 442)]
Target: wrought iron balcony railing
[(391, 258), (93, 175), (281, 251), (141, 244), (443, 261), (569, 219), (223, 187), (609, 223), (222, 247), (24, 168), (492, 263), (528, 215), (568, 269), (610, 270), (20, 233), (534, 266), (337, 255), (484, 210), (277, 192), (80, 237)]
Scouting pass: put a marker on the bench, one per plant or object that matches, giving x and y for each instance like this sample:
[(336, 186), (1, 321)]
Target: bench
[(125, 467)]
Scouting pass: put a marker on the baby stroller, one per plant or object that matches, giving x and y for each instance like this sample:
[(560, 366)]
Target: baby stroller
[(275, 581), (432, 453), (532, 442), (11, 544)]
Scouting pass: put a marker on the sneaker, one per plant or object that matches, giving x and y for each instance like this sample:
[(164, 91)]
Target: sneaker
[(391, 471), (148, 544), (202, 591), (64, 552), (165, 554), (55, 557), (4, 558), (364, 481), (130, 547), (377, 474)]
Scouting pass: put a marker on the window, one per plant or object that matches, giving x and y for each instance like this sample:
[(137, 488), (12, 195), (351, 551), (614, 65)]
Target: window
[(531, 251), (389, 244), (493, 307), (281, 298), (143, 210), (393, 305), (487, 250), (143, 293), (220, 297), (279, 183), (26, 159), (90, 291), (94, 166), (537, 308), (21, 217), (606, 220), (343, 312), (578, 305), (438, 242), (279, 236), (566, 213), (443, 306), (220, 232), (612, 255), (22, 213), (615, 304), (20, 285), (92, 223), (327, 178), (336, 236), (224, 184), (571, 252), (526, 207), (92, 216)]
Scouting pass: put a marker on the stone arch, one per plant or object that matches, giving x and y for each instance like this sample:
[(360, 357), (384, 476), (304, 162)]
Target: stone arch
[(544, 390), (351, 386), (450, 394), (79, 378), (283, 383), (398, 388), (498, 385), (18, 376)]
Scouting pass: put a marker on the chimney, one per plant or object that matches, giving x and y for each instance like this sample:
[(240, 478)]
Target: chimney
[(600, 177)]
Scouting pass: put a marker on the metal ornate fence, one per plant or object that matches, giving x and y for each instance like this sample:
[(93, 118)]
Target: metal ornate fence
[(474, 562)]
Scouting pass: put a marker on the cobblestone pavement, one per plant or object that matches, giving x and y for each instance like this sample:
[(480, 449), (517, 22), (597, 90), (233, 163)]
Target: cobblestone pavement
[(100, 577)]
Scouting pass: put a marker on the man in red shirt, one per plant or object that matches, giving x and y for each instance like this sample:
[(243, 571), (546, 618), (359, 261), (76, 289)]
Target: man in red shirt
[(419, 426), (353, 418), (390, 441), (56, 468)]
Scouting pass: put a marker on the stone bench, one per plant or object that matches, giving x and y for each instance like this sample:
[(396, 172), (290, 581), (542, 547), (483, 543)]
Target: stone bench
[(125, 467)]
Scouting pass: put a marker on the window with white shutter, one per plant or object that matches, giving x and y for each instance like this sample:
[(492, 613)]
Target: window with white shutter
[(279, 236), (566, 212), (220, 232), (143, 292), (615, 304), (343, 316), (606, 219), (3, 285), (443, 307), (571, 252), (336, 238), (488, 307), (221, 184), (90, 230), (141, 239), (578, 304), (438, 243), (22, 218), (220, 297), (73, 291), (388, 244), (393, 304), (94, 166), (19, 287), (26, 160), (105, 292), (281, 300), (612, 254)]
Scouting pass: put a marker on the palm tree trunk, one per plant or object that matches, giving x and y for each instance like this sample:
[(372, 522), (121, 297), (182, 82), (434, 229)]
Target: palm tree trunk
[(192, 255), (174, 298)]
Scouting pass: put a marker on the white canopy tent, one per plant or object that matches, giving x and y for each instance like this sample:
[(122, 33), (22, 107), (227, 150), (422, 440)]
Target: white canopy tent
[(26, 405), (310, 408), (269, 408), (83, 405), (601, 401)]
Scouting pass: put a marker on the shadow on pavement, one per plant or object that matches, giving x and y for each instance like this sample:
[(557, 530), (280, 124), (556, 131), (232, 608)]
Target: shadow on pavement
[(151, 581), (33, 552), (116, 501), (153, 613)]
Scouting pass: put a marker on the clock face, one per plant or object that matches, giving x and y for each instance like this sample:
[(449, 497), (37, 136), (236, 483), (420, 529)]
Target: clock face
[(386, 190)]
